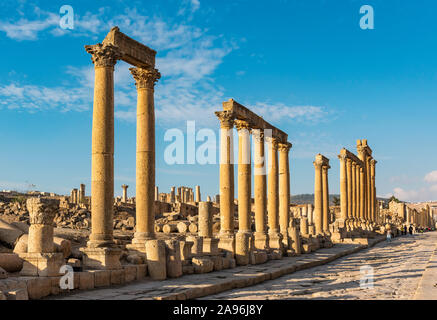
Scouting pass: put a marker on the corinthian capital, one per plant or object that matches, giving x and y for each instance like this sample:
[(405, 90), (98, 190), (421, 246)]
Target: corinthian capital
[(42, 211), (242, 125), (226, 118), (104, 55), (145, 78), (284, 146)]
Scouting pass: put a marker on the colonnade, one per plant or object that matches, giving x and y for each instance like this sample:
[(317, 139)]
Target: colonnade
[(275, 199), (357, 187)]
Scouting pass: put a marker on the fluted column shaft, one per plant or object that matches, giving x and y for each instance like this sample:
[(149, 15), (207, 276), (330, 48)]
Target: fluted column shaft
[(102, 157), (260, 189), (357, 191), (373, 189), (369, 190), (362, 195), (318, 198), (349, 187), (244, 176), (354, 190), (284, 188), (343, 187), (325, 188), (145, 79), (273, 188), (226, 173)]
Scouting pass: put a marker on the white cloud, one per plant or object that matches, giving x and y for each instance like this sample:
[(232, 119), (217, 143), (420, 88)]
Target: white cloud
[(280, 112), (431, 176), (428, 193)]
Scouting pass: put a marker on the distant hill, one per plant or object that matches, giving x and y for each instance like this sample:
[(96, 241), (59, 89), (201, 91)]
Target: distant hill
[(309, 198)]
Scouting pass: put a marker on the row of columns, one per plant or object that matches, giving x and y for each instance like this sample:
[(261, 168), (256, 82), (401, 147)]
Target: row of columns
[(357, 187), (274, 200)]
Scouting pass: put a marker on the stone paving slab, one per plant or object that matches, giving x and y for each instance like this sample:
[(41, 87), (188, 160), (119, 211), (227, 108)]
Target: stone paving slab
[(427, 289), (201, 285)]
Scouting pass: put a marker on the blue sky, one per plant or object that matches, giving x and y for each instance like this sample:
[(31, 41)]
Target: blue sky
[(305, 66)]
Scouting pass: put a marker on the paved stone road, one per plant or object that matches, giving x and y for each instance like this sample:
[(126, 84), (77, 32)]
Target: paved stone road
[(398, 267)]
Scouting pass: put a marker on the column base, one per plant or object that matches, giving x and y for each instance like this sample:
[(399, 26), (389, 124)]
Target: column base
[(261, 241), (243, 248), (275, 241), (211, 246), (41, 264), (227, 243), (143, 237), (101, 258)]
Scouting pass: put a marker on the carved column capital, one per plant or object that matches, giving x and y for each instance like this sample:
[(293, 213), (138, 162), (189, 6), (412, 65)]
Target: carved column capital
[(41, 210), (273, 142), (145, 78), (226, 118), (104, 55), (284, 147), (242, 125)]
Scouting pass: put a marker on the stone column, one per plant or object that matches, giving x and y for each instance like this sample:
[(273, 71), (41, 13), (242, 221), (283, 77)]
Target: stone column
[(362, 154), (156, 194), (362, 195), (349, 188), (100, 252), (343, 187), (369, 190), (172, 195), (41, 259), (318, 195), (372, 190), (284, 191), (325, 196), (227, 240), (124, 196), (275, 240), (82, 193), (244, 233), (357, 191), (354, 192), (260, 190), (75, 196), (310, 213), (198, 197), (145, 79)]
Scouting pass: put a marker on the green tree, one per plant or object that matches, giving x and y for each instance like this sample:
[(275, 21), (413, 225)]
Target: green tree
[(336, 201)]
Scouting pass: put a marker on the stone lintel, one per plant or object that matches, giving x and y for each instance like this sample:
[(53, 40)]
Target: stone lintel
[(322, 160), (255, 121), (133, 52), (350, 155)]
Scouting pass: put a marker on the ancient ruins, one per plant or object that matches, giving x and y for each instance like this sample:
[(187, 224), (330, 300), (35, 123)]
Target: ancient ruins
[(108, 240)]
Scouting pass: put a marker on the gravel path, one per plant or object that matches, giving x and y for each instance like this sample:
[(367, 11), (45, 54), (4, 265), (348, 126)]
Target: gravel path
[(397, 269)]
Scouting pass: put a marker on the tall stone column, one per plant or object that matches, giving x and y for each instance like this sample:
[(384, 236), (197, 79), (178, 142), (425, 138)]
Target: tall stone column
[(354, 192), (244, 234), (227, 240), (100, 252), (124, 197), (198, 197), (275, 240), (260, 190), (369, 189), (362, 195), (172, 195), (357, 191), (343, 186), (362, 154), (373, 190), (145, 79), (325, 190), (349, 188), (318, 195), (284, 191), (82, 193)]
